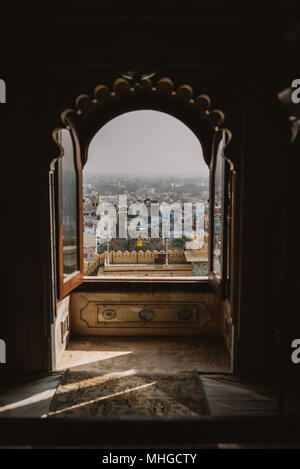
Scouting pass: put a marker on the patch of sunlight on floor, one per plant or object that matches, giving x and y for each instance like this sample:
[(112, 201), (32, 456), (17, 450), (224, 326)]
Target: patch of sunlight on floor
[(102, 398), (40, 396), (104, 378), (74, 358)]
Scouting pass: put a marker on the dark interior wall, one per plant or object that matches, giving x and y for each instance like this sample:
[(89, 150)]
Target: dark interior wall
[(239, 56)]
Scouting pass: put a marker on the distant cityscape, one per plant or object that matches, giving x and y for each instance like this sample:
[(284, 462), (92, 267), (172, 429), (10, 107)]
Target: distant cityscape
[(155, 190), (150, 190)]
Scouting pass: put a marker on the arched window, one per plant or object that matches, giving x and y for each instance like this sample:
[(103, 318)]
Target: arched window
[(77, 141)]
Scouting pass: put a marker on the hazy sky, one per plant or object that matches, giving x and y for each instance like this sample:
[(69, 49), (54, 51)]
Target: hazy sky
[(145, 143)]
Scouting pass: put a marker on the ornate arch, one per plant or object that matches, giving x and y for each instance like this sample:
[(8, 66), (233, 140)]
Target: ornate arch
[(92, 113)]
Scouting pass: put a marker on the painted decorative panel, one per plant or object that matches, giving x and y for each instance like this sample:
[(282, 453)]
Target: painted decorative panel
[(135, 314), (107, 314), (185, 314), (145, 314), (64, 328)]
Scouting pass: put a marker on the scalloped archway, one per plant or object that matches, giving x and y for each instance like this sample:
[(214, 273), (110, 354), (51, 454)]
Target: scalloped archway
[(92, 113)]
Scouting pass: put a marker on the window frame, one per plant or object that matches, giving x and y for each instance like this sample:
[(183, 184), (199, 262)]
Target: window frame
[(91, 115), (221, 283), (69, 283)]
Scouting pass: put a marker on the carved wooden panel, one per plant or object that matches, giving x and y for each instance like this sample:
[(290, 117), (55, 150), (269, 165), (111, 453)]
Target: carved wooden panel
[(91, 314)]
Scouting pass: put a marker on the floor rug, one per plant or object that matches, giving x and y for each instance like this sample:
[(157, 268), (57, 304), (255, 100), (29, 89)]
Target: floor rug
[(129, 394)]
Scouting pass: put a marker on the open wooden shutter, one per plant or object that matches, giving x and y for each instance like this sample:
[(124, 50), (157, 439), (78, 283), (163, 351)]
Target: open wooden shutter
[(69, 213), (222, 177)]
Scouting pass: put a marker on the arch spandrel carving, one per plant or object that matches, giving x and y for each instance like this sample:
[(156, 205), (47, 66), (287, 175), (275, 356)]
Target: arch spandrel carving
[(92, 113)]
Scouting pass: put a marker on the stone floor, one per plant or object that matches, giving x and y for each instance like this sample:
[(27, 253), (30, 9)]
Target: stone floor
[(104, 356), (146, 354)]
